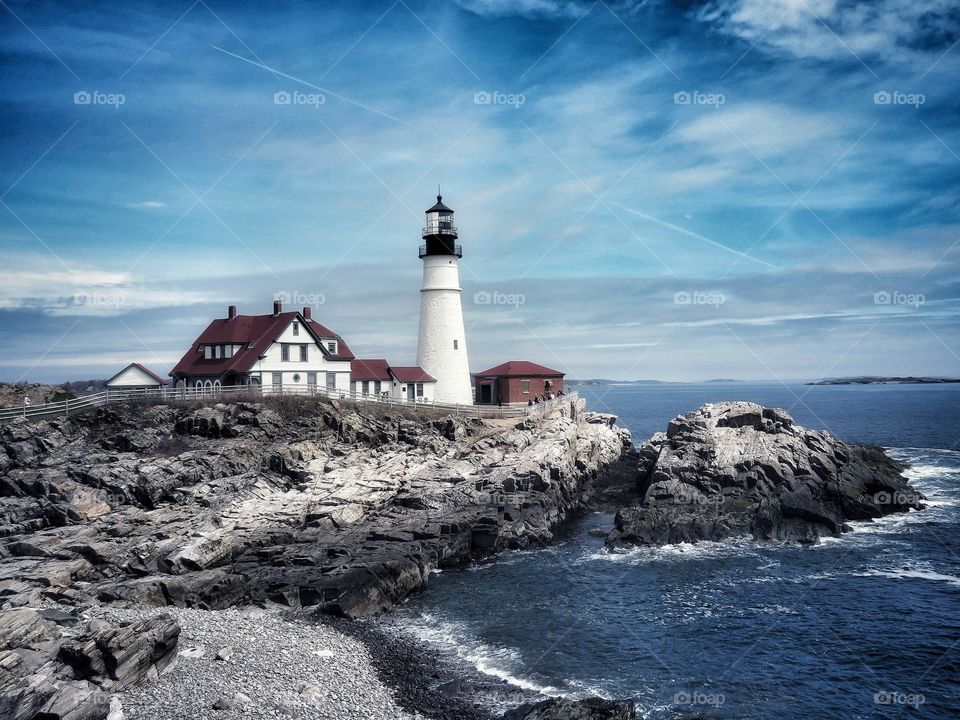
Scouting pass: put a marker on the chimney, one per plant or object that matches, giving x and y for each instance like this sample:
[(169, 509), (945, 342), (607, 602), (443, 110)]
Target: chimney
[(231, 312), (307, 313), (277, 307)]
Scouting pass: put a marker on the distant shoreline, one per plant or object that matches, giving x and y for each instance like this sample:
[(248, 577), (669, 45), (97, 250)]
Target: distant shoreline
[(603, 382), (865, 380), (886, 381)]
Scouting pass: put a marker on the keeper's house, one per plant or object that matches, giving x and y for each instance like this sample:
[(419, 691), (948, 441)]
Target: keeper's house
[(516, 382), (283, 350)]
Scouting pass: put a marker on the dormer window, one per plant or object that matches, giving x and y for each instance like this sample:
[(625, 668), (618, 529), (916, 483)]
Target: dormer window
[(332, 347), (296, 328), (218, 351), (208, 352)]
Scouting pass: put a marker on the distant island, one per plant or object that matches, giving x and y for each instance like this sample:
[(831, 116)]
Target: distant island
[(874, 380), (601, 382)]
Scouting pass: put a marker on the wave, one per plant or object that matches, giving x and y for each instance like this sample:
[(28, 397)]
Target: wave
[(931, 472), (705, 549), (500, 662), (910, 574), (925, 450)]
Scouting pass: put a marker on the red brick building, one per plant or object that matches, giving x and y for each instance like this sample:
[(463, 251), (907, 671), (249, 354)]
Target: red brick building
[(516, 382)]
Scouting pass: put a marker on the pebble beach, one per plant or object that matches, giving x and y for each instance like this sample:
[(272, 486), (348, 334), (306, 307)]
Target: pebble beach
[(265, 664)]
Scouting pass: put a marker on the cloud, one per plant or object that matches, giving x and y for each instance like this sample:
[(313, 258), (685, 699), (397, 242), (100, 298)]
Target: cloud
[(147, 205), (525, 8), (80, 290), (888, 30)]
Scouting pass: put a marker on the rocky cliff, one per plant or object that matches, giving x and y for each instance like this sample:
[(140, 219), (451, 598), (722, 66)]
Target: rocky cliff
[(324, 504), (741, 469), (343, 507)]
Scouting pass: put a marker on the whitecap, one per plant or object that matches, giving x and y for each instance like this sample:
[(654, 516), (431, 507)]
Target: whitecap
[(910, 574)]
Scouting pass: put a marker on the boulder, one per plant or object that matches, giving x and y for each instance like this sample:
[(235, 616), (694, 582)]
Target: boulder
[(737, 468), (567, 709), (54, 666)]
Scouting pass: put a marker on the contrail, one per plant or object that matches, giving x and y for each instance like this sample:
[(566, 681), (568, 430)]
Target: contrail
[(692, 234)]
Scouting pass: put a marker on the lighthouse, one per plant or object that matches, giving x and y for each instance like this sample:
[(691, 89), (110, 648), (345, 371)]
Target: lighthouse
[(441, 344)]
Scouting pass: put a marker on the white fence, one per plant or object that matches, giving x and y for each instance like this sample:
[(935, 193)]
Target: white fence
[(166, 394)]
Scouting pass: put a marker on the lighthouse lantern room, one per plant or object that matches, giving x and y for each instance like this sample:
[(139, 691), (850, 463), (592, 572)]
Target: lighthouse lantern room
[(441, 344)]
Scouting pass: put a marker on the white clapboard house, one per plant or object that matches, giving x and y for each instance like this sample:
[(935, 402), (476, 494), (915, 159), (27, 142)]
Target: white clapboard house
[(282, 350)]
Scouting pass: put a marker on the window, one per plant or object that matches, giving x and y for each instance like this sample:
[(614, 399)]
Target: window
[(277, 381), (296, 377), (455, 344), (285, 353), (332, 346), (228, 351), (208, 352), (353, 387), (296, 328), (331, 381), (303, 353), (366, 387), (419, 389), (525, 386), (312, 381), (218, 351), (376, 387)]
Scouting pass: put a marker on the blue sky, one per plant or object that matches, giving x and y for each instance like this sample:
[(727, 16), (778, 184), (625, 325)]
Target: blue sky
[(755, 189)]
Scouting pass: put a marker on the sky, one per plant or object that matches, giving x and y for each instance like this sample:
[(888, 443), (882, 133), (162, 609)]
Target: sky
[(750, 189)]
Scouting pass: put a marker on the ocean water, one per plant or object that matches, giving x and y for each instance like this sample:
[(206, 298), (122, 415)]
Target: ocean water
[(865, 626)]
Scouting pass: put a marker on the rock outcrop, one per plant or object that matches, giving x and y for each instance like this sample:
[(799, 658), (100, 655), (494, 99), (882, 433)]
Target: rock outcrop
[(306, 503), (737, 468), (566, 709), (62, 666)]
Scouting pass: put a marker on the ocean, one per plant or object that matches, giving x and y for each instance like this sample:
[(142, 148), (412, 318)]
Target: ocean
[(864, 626)]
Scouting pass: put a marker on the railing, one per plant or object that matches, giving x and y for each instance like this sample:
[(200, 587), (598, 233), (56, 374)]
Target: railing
[(439, 230), (167, 394), (555, 402)]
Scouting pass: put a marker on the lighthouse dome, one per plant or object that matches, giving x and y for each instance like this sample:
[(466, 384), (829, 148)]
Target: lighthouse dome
[(439, 207)]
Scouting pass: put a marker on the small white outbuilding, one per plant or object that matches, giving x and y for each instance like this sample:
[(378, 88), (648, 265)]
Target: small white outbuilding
[(136, 377)]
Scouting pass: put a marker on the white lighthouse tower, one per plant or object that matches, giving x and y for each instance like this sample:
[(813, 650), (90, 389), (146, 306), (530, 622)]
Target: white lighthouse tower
[(442, 345)]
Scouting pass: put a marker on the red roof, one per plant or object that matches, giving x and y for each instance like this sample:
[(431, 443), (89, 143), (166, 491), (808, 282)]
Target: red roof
[(412, 374), (369, 369), (258, 331), (520, 368)]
